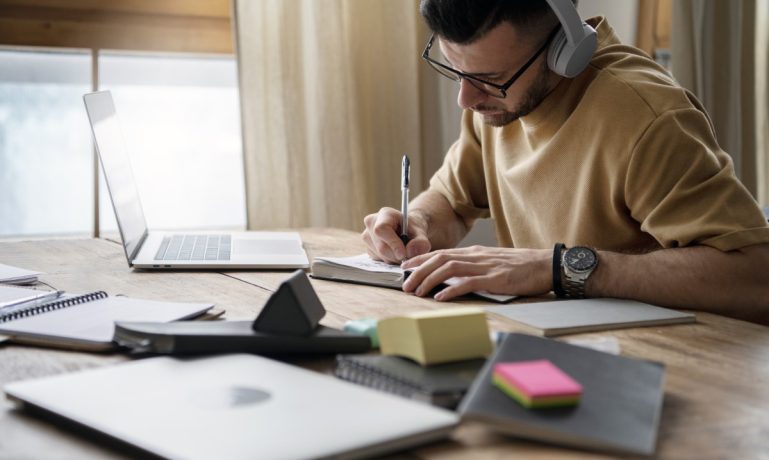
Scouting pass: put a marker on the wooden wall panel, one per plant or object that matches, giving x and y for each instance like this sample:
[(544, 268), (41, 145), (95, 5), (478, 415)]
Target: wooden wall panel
[(195, 26), (654, 25)]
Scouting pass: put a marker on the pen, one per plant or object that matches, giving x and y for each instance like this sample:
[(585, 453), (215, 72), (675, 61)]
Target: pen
[(405, 170)]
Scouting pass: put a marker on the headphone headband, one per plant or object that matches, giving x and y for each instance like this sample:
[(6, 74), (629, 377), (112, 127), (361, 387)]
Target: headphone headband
[(567, 15), (574, 45)]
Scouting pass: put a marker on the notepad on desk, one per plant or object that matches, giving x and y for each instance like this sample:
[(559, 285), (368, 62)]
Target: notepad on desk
[(362, 269), (86, 322), (586, 315)]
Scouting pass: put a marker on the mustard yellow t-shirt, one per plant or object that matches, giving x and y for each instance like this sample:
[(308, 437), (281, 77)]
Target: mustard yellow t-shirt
[(619, 158)]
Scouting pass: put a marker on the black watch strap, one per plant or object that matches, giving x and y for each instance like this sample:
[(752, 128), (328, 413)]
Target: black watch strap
[(557, 271)]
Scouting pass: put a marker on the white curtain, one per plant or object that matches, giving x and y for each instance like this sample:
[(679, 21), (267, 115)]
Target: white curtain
[(333, 93), (720, 51)]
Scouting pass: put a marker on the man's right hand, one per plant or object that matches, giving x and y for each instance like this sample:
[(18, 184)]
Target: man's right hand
[(382, 236)]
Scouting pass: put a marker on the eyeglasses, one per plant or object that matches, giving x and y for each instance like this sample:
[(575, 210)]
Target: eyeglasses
[(492, 89)]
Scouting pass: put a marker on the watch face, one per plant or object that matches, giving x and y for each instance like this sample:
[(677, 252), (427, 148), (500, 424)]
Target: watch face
[(579, 258)]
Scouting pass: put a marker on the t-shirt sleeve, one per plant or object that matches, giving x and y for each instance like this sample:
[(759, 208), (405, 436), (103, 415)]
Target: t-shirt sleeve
[(682, 188), (461, 178)]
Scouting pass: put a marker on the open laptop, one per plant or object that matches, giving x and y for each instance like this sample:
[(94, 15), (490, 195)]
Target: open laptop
[(151, 249), (234, 407)]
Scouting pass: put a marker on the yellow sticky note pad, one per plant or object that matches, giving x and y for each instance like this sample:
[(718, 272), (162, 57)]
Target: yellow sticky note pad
[(436, 336)]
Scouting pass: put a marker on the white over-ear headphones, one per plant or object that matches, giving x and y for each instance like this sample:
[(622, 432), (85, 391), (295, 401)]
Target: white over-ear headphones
[(573, 46)]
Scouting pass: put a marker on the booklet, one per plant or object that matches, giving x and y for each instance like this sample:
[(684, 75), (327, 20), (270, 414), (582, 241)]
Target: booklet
[(364, 270), (85, 322)]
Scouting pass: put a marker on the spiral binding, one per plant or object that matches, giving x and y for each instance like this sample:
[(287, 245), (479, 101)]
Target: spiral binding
[(371, 377), (51, 306)]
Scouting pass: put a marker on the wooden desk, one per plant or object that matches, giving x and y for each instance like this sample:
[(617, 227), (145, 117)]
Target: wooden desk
[(716, 391)]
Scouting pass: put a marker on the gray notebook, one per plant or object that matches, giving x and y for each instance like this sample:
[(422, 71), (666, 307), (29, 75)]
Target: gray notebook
[(619, 411), (575, 316)]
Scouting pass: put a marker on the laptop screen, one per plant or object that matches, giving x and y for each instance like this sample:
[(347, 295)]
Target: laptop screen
[(117, 170)]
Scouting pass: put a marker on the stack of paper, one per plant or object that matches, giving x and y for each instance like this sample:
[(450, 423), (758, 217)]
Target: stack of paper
[(15, 275)]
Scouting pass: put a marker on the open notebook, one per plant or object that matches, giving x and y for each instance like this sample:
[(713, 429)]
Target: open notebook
[(86, 321), (364, 270)]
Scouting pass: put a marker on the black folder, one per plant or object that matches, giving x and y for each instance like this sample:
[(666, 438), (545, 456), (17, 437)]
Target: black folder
[(193, 337)]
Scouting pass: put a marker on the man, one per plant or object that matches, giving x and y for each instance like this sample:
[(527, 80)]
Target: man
[(619, 160)]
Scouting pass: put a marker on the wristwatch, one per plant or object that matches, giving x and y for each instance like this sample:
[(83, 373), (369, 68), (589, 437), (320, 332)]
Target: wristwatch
[(577, 263)]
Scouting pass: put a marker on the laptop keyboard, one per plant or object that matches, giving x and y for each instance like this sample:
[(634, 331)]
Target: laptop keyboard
[(195, 247)]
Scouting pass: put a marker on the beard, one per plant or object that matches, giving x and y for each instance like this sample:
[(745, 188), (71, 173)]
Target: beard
[(533, 97)]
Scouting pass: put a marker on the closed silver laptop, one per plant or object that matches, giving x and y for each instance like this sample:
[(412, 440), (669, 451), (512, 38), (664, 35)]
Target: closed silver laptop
[(163, 250), (235, 407)]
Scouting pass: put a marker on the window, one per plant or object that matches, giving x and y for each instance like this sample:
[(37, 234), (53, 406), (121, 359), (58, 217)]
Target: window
[(178, 107), (180, 116), (181, 122), (45, 147)]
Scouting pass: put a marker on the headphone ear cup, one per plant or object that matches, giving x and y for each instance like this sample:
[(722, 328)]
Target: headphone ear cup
[(569, 60), (556, 52)]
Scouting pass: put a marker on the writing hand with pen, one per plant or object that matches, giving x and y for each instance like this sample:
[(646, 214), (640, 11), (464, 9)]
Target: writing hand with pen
[(393, 236), (509, 271)]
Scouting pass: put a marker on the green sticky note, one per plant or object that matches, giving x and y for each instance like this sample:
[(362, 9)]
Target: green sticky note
[(366, 326)]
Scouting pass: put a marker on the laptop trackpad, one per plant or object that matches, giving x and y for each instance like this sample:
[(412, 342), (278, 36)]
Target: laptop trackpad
[(244, 247)]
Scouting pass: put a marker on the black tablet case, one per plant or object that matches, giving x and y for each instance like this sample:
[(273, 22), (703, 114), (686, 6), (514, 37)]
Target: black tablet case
[(193, 337)]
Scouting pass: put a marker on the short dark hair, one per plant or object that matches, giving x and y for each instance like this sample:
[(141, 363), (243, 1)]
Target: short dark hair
[(464, 21)]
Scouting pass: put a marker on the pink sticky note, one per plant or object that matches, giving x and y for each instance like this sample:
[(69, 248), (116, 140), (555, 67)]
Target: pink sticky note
[(537, 379)]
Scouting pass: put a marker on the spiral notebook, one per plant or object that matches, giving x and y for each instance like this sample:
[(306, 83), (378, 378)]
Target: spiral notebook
[(440, 385), (87, 321)]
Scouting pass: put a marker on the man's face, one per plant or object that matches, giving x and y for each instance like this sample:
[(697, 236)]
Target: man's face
[(495, 57)]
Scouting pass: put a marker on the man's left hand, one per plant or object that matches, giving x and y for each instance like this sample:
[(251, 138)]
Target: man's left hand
[(524, 272)]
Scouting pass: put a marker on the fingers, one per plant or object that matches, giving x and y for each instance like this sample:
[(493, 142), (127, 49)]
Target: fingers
[(496, 270), (439, 269), (467, 254), (381, 237), (418, 245), (461, 287)]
